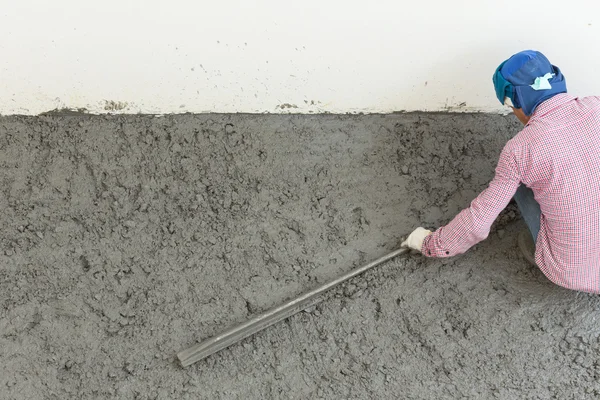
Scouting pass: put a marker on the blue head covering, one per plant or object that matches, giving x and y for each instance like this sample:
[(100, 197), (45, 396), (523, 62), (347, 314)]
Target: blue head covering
[(528, 79)]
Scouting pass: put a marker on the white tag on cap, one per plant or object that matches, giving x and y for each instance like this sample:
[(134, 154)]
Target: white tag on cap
[(541, 83)]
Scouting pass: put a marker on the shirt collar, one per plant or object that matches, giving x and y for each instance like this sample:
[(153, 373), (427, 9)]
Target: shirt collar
[(550, 104)]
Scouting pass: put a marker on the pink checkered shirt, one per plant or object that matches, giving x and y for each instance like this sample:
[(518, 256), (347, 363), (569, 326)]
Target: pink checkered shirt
[(557, 155)]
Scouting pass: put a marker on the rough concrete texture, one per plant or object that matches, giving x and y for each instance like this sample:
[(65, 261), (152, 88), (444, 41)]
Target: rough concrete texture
[(126, 239)]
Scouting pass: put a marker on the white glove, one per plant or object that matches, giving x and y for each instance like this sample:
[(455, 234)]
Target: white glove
[(414, 241)]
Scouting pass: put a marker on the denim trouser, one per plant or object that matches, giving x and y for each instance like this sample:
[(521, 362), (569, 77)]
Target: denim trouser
[(530, 209)]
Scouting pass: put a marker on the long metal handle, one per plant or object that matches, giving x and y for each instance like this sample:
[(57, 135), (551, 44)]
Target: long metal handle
[(274, 315)]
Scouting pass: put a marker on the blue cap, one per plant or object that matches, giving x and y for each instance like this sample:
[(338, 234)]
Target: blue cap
[(515, 79)]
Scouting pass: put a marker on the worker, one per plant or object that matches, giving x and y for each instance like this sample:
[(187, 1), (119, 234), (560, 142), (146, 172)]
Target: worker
[(551, 168)]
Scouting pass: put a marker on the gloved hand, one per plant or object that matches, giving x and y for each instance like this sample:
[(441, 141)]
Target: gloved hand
[(414, 241)]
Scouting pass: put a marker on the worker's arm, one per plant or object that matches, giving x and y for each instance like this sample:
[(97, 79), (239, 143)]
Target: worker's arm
[(472, 225)]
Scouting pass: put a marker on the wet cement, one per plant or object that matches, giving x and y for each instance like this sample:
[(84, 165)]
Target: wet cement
[(124, 239)]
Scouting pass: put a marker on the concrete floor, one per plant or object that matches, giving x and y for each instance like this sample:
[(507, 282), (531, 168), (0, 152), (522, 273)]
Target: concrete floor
[(124, 239)]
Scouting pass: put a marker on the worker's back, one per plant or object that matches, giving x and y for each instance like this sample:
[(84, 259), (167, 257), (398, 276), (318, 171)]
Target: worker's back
[(560, 162)]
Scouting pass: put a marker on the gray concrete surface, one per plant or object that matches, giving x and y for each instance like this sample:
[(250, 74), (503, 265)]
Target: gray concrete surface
[(124, 239)]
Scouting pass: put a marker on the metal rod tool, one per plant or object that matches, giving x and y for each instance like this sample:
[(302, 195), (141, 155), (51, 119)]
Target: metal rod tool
[(274, 315)]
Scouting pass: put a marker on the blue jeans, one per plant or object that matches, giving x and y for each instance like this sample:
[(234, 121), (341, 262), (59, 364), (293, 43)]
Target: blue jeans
[(530, 209)]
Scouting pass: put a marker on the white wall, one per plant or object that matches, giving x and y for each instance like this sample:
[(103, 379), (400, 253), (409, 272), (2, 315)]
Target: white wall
[(253, 56)]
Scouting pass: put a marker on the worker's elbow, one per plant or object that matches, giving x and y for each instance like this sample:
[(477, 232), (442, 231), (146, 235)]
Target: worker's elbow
[(479, 234)]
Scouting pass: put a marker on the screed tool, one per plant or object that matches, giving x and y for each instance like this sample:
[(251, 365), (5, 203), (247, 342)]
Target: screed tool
[(236, 333)]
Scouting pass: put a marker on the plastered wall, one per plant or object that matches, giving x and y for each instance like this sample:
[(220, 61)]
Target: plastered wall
[(276, 56)]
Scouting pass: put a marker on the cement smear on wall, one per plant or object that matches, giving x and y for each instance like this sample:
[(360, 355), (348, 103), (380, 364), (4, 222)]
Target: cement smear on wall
[(125, 239)]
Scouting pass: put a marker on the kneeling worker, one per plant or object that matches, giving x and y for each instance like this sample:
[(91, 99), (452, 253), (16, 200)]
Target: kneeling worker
[(551, 168)]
